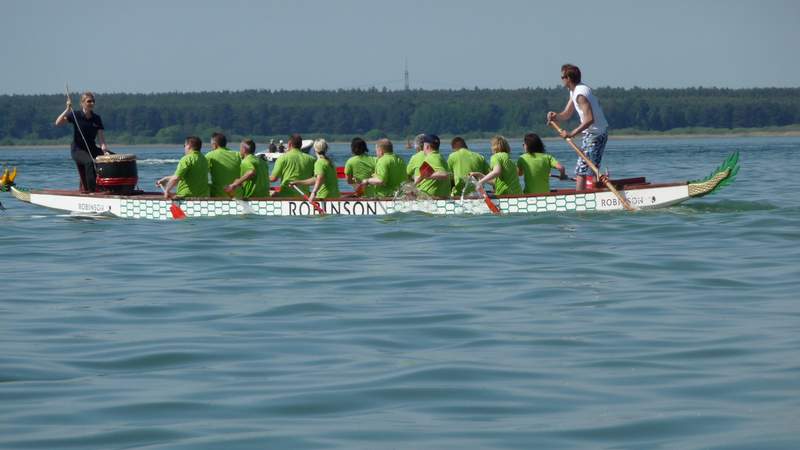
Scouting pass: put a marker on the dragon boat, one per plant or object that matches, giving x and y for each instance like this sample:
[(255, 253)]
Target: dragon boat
[(640, 193)]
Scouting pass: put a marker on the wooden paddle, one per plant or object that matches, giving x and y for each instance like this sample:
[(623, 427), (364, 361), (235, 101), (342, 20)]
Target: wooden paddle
[(305, 197), (594, 168)]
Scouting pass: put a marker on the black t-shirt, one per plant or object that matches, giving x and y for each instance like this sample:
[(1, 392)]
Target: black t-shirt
[(89, 127)]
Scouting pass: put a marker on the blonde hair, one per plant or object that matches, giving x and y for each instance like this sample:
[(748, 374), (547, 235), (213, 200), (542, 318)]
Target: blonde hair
[(87, 95), (321, 146), (500, 144), (385, 145)]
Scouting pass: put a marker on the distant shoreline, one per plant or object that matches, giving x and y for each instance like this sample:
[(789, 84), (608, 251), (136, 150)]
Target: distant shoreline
[(787, 133), (612, 136)]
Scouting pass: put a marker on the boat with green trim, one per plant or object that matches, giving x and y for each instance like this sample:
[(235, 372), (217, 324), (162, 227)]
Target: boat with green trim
[(640, 193)]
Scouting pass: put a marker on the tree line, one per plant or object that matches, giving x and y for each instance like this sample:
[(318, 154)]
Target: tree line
[(374, 113)]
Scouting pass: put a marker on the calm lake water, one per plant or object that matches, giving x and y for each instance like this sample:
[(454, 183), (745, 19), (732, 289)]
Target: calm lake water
[(674, 328)]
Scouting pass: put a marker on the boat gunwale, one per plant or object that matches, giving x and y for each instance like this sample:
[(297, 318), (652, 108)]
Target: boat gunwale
[(160, 196)]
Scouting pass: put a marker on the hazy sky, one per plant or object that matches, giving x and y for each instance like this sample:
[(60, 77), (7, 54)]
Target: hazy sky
[(201, 45)]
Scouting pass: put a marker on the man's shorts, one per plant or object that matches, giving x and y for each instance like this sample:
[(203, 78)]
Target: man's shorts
[(593, 146)]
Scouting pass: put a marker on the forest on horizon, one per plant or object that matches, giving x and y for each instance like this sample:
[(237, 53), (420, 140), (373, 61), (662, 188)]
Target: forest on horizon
[(374, 113)]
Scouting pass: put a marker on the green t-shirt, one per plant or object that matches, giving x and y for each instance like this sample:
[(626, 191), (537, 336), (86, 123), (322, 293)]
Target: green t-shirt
[(291, 166), (223, 165), (507, 183), (193, 172), (462, 162), (330, 183), (414, 163), (435, 188), (391, 169), (257, 186), (361, 167), (535, 169)]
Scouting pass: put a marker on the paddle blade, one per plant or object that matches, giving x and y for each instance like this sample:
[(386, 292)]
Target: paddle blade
[(177, 212), (489, 203), (314, 204), (425, 169), (492, 207)]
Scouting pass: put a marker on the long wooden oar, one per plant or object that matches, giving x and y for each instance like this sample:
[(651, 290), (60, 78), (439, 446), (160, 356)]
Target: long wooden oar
[(314, 203), (594, 168)]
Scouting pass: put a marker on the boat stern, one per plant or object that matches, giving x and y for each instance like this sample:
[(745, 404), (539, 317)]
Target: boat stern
[(721, 176)]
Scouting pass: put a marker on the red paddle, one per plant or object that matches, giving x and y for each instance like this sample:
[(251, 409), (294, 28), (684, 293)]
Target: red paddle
[(492, 207), (425, 169), (177, 212), (305, 197), (174, 208), (360, 190)]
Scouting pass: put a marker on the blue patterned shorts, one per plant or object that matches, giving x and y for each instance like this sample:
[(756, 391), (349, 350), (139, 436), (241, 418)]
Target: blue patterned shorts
[(593, 146)]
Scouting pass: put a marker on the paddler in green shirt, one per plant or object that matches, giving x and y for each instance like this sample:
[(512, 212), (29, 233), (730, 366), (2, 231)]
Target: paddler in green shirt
[(325, 182), (390, 170), (503, 172), (534, 165), (437, 184), (360, 166), (191, 176), (463, 161), (416, 159), (223, 165), (254, 179), (292, 166)]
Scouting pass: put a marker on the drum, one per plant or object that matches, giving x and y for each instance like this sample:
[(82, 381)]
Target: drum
[(116, 173)]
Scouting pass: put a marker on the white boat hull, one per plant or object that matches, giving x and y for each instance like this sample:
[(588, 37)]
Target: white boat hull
[(155, 207), (639, 194)]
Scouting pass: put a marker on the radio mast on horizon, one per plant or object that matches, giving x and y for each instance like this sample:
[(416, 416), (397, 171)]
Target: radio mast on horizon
[(405, 75)]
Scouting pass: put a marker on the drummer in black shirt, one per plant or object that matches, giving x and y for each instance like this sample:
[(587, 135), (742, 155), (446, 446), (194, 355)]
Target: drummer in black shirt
[(89, 128)]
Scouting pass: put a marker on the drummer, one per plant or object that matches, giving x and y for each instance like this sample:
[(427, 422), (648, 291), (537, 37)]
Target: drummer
[(87, 127)]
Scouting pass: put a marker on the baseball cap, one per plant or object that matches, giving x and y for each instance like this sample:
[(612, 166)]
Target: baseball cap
[(430, 139)]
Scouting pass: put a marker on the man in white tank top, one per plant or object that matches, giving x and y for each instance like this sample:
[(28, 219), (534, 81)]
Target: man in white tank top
[(593, 122)]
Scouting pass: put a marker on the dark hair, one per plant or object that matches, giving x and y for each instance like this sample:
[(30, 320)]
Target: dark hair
[(295, 141), (194, 142), (249, 146), (571, 72), (533, 143), (219, 139), (358, 146), (457, 143)]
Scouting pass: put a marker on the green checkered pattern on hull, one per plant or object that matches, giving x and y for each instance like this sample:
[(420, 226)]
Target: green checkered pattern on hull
[(552, 203), (522, 205), (159, 209)]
